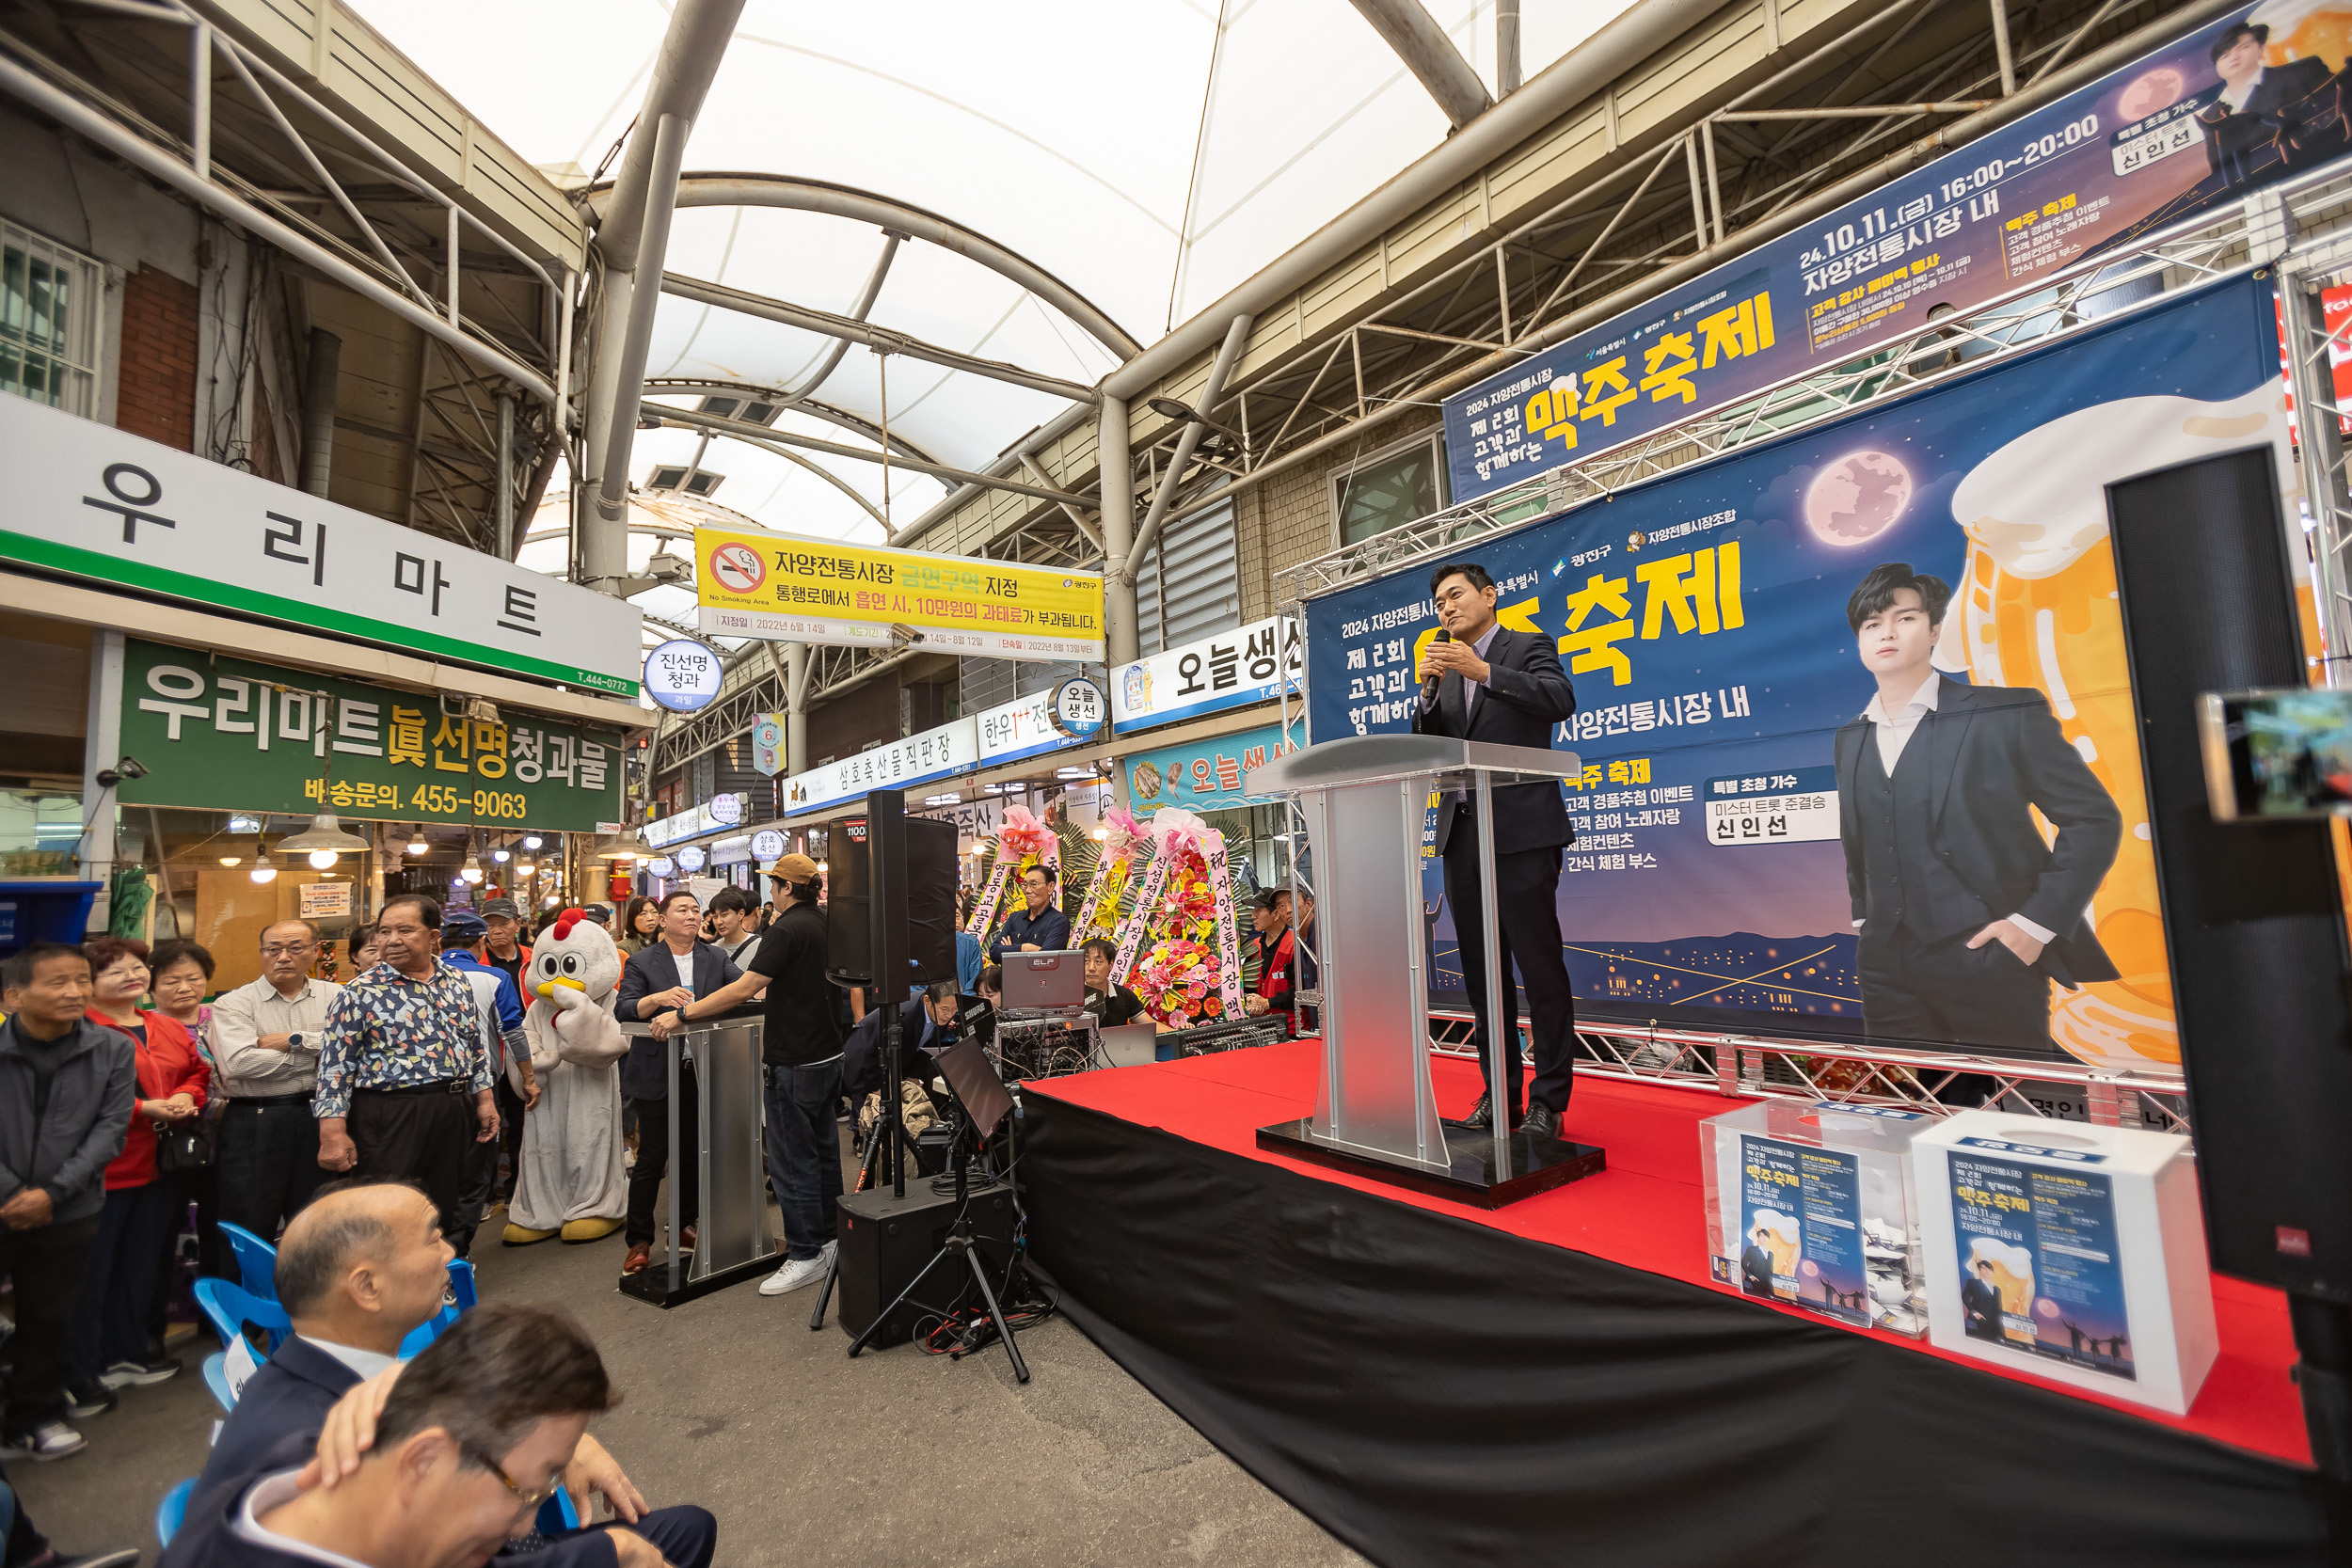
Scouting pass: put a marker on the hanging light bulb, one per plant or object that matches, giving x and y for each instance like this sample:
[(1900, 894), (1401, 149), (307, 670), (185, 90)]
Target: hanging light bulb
[(500, 856), (264, 869), (471, 871), (323, 860), (531, 841), (232, 860), (417, 844), (524, 868)]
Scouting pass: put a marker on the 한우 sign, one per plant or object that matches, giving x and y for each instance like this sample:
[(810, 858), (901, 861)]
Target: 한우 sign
[(93, 501), (775, 585), (2148, 145), (226, 734)]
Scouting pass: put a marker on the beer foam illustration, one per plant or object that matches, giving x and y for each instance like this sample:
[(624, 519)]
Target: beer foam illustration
[(2012, 1271), (2037, 608)]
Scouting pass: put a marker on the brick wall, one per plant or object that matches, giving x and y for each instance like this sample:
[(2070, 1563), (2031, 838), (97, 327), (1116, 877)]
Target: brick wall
[(156, 387), (1287, 519)]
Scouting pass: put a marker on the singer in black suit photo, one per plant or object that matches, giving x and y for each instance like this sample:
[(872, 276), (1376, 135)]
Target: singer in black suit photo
[(2269, 121), (1967, 913), (1483, 681)]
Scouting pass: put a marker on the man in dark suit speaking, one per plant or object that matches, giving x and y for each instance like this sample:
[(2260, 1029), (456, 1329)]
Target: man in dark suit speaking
[(1966, 913), (1482, 681)]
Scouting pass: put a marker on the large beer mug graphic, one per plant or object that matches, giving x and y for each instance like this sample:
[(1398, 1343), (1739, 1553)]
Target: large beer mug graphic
[(2304, 30), (2038, 607)]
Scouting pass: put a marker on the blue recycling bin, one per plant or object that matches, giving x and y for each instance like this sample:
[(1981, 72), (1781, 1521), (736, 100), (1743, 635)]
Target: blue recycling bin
[(44, 911)]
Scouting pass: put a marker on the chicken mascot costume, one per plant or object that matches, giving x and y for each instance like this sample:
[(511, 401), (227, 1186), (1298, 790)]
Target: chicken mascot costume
[(571, 1179)]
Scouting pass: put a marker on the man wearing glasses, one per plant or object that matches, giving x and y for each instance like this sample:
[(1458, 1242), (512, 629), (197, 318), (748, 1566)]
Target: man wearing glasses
[(442, 1463), (265, 1039)]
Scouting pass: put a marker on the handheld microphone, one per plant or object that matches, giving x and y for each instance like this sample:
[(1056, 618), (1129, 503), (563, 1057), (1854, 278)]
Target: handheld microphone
[(1429, 686)]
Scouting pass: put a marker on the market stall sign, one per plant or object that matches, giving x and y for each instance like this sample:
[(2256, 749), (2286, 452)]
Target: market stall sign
[(92, 501), (1230, 669), (1021, 728), (767, 745), (692, 859), (683, 676), (952, 747), (767, 845), (661, 865), (221, 734), (1209, 775), (773, 585), (1078, 707), (719, 811)]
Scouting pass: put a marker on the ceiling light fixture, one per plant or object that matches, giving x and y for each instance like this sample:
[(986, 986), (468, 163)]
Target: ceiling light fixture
[(264, 869)]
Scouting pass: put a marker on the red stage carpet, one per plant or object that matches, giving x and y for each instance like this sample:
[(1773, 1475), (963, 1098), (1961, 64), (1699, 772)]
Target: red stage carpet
[(1646, 1212)]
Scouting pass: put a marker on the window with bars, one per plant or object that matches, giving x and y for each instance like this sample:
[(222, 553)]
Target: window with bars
[(50, 305), (1389, 488), (1190, 584)]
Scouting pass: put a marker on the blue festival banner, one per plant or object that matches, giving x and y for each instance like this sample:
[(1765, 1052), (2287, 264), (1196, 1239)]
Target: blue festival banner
[(1719, 877), (2243, 102)]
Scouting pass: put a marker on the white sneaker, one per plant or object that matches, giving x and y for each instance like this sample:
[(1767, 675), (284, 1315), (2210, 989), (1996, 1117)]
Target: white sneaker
[(49, 1440), (797, 1272)]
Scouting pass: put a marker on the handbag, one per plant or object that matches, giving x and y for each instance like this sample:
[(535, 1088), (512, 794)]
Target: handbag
[(183, 1148)]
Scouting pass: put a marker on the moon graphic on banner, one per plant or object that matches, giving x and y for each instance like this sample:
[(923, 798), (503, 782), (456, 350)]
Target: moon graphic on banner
[(1858, 498), (2159, 89)]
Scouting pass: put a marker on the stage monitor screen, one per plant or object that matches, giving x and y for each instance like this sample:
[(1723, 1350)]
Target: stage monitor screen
[(2277, 753)]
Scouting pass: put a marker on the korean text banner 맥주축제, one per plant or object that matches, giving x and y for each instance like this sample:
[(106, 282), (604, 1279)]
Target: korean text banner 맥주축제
[(773, 585), (2241, 102), (1750, 852)]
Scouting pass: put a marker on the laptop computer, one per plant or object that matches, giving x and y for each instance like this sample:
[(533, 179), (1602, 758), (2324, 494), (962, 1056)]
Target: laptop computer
[(1043, 983), (1130, 1044)]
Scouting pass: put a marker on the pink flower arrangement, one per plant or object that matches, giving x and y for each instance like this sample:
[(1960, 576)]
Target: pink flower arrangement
[(1177, 979)]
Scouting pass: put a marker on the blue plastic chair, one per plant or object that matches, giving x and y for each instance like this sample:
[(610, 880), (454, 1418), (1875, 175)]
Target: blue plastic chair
[(173, 1511), (556, 1514), (216, 1379), (257, 1261), (229, 1308), (462, 1297)]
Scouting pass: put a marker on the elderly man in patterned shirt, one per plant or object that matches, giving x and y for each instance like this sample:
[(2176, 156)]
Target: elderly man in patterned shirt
[(405, 1077)]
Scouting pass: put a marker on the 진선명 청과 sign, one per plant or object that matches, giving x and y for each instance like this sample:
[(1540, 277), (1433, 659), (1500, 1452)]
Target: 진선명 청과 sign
[(101, 503), (773, 585), (223, 733)]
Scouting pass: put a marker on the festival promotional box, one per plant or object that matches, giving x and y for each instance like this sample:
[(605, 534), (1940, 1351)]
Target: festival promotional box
[(1811, 1204), (2068, 1250)]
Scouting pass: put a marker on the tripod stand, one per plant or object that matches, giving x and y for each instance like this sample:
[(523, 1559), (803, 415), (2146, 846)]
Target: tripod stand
[(889, 1140), (960, 1242)]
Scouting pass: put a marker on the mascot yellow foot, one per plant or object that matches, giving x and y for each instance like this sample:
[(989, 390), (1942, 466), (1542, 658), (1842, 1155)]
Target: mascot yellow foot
[(592, 1229), (518, 1236)]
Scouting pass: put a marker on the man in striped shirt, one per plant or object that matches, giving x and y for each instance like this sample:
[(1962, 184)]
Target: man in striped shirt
[(404, 1072)]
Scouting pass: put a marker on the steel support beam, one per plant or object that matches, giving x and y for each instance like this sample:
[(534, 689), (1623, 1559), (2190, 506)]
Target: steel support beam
[(879, 339), (1125, 567), (1121, 641), (1407, 27), (600, 564), (694, 420), (847, 202)]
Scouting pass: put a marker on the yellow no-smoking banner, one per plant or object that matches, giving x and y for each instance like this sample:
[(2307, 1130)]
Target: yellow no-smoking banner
[(776, 585)]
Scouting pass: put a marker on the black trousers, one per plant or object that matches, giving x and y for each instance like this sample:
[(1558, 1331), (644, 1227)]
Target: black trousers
[(1915, 991), (1527, 918), (653, 1159), (422, 1138), (111, 1325), (510, 1135), (49, 1265), (687, 1535), (268, 1164)]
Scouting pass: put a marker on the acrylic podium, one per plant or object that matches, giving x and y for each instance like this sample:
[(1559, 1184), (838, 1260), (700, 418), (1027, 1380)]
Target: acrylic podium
[(1366, 801)]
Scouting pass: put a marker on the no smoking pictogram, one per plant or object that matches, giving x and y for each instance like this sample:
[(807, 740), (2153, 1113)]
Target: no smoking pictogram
[(738, 568)]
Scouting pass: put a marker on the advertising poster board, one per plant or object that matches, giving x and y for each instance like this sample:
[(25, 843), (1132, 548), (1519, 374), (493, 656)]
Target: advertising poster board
[(2183, 130), (2041, 1267), (1719, 871), (751, 583)]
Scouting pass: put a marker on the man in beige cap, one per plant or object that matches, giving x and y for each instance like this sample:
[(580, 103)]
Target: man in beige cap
[(801, 1050)]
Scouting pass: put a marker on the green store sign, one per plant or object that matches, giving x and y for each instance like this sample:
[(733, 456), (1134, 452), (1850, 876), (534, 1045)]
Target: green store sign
[(223, 733)]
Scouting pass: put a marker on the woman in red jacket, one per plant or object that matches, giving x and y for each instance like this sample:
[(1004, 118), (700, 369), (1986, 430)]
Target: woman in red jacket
[(110, 1337)]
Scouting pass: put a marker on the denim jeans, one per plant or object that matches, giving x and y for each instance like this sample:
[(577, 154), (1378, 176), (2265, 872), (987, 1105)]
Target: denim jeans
[(804, 1153)]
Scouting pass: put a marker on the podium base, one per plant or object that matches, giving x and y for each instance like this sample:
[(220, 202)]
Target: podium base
[(1537, 1164), (653, 1284)]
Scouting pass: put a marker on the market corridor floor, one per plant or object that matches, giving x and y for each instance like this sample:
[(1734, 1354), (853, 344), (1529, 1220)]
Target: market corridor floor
[(730, 1402)]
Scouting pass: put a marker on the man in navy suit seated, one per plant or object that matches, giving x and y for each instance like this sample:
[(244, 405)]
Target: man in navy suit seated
[(358, 1270), (466, 1443)]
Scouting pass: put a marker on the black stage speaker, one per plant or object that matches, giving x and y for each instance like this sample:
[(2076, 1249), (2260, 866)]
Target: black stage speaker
[(891, 908), (885, 1240), (2251, 915)]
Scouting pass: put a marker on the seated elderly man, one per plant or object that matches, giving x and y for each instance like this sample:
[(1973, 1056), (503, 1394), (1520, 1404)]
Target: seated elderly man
[(466, 1444), (357, 1271)]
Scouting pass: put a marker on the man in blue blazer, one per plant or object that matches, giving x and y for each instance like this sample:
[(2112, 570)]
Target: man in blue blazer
[(358, 1270), (660, 978), (1483, 681)]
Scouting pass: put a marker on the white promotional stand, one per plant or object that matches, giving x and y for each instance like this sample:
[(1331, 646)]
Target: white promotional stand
[(2091, 1241)]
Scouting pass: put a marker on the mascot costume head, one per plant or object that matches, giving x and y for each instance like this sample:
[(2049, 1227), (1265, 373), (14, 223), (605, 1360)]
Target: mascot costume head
[(570, 1174)]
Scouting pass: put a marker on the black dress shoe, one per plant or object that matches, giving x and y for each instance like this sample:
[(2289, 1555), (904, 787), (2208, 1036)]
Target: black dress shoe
[(1542, 1121), (1482, 1117)]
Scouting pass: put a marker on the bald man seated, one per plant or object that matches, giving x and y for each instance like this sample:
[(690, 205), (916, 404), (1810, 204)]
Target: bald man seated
[(458, 1451), (357, 1271)]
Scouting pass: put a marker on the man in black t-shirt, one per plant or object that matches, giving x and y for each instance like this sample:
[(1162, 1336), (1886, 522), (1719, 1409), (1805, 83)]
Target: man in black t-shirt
[(801, 1051), (1113, 1004)]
